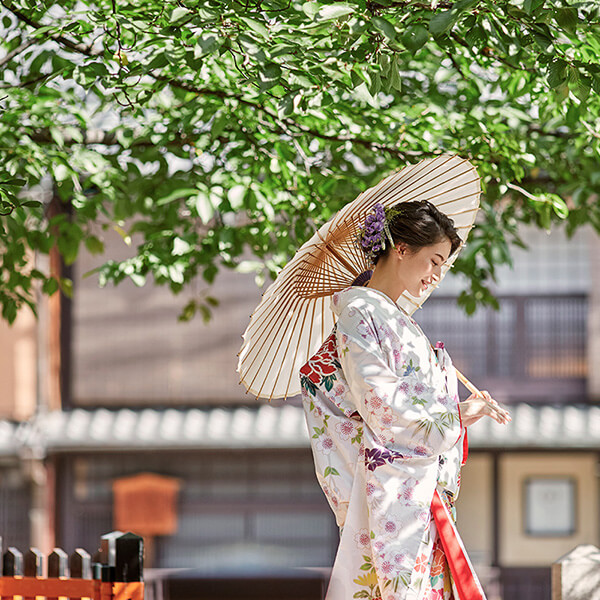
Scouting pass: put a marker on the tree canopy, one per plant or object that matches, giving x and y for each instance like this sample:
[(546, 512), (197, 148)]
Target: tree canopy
[(207, 132)]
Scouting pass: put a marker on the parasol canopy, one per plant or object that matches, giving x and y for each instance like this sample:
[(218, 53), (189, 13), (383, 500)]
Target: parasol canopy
[(294, 317)]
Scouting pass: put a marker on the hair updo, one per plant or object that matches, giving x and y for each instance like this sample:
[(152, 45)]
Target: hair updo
[(415, 223)]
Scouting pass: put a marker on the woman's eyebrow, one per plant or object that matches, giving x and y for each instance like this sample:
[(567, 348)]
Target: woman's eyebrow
[(443, 259)]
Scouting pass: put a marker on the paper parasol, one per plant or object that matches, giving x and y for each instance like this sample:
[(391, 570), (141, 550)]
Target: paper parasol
[(294, 317)]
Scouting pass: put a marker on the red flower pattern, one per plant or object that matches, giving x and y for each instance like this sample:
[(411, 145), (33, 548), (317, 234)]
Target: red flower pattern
[(439, 561), (323, 362)]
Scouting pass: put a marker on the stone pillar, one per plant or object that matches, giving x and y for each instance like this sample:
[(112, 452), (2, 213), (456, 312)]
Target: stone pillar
[(576, 576), (593, 328)]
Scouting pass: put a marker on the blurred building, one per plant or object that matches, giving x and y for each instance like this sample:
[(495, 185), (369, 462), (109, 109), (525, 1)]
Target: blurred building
[(110, 385)]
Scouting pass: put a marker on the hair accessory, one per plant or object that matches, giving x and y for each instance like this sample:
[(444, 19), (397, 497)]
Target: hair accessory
[(375, 233)]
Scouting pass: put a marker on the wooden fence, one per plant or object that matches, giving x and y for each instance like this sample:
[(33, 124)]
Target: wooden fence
[(115, 572)]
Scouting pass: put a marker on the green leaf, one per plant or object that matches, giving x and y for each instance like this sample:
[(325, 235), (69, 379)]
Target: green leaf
[(415, 37), (179, 13), (269, 76), (68, 246), (310, 9), (442, 22), (285, 107), (50, 286), (335, 11), (464, 5), (9, 310), (66, 287), (559, 206), (385, 27), (557, 72), (177, 194), (181, 247), (94, 245), (204, 208), (567, 18), (531, 6), (13, 182), (256, 26), (208, 43), (582, 88), (394, 75), (236, 196)]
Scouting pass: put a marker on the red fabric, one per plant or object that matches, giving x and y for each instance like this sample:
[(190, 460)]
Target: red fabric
[(466, 581), (465, 448)]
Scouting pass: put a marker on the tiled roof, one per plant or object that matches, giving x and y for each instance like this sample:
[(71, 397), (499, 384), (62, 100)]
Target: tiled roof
[(262, 427), (565, 426), (266, 426)]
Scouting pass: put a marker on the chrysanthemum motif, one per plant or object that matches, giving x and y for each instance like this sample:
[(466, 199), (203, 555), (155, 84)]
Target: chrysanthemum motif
[(374, 402), (388, 527), (346, 429), (419, 388), (399, 559), (404, 387), (420, 450), (406, 492), (388, 418), (362, 538), (325, 444)]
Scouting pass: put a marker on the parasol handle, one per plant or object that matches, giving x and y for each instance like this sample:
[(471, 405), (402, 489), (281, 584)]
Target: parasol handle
[(467, 383)]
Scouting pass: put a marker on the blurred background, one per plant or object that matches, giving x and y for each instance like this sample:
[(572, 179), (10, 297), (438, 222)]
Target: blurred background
[(108, 400)]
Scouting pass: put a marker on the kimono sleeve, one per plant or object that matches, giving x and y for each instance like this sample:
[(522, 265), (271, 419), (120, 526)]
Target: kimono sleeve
[(402, 408)]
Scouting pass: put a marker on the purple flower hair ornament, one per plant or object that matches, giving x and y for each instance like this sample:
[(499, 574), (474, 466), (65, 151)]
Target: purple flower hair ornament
[(374, 235)]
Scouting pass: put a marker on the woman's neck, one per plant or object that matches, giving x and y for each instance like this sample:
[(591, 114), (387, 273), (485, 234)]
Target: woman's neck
[(383, 281)]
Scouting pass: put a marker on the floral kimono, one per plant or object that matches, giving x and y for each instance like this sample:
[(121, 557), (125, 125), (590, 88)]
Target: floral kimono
[(388, 443)]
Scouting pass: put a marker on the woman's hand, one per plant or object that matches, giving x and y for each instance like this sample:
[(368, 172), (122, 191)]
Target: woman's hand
[(477, 406)]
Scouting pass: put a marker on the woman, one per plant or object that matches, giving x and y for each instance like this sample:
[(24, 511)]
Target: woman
[(388, 437)]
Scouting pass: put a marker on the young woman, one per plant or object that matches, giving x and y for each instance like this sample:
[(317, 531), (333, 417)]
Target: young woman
[(388, 434)]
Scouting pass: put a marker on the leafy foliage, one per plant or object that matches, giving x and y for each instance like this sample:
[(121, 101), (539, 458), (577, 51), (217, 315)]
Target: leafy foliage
[(208, 132)]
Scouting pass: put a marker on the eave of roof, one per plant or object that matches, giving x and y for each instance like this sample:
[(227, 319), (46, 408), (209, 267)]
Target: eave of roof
[(269, 427)]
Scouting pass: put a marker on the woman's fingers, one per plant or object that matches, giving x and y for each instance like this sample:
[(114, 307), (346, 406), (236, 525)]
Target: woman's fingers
[(498, 413)]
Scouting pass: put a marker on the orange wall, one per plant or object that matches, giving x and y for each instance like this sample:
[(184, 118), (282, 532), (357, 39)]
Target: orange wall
[(18, 370)]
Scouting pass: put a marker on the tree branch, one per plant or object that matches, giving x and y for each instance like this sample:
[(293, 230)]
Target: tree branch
[(281, 125), (16, 51), (61, 39)]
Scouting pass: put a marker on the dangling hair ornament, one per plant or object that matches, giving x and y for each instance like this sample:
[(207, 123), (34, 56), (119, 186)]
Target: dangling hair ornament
[(375, 233)]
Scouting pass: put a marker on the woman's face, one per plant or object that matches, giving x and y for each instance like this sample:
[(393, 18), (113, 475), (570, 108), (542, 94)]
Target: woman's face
[(419, 270)]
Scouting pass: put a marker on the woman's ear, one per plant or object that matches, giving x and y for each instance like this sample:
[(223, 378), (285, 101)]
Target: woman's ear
[(401, 249)]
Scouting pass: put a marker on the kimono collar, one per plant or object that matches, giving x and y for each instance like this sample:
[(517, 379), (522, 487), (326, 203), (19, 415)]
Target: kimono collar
[(340, 300)]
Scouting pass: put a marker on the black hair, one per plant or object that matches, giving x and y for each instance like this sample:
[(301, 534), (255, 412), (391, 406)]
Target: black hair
[(419, 223)]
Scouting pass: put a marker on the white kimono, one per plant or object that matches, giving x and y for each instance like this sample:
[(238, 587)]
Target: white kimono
[(382, 412)]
